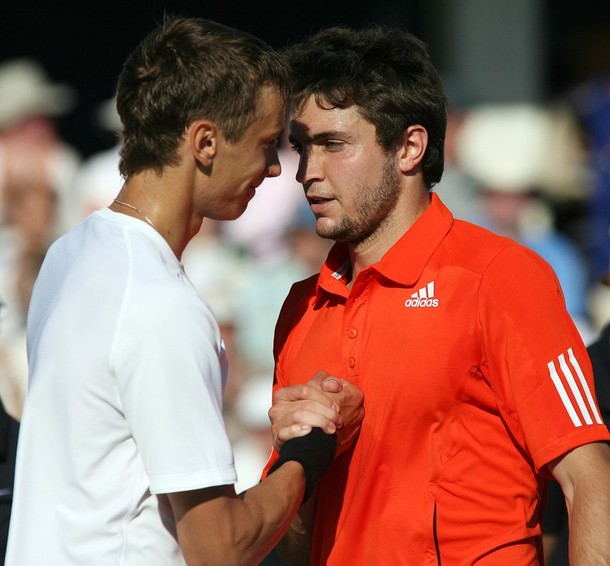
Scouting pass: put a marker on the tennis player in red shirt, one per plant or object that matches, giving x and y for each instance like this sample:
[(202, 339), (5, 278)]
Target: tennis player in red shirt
[(476, 383)]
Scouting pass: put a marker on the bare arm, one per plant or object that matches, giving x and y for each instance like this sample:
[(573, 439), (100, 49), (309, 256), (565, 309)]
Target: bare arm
[(584, 476), (295, 546), (217, 527)]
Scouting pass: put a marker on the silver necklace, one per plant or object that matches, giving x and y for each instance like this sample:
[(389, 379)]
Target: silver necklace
[(137, 211)]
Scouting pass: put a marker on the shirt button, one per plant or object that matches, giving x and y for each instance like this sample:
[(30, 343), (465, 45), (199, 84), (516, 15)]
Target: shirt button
[(351, 362), (353, 333)]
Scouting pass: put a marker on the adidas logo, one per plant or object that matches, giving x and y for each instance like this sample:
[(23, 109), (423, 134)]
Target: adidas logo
[(423, 298)]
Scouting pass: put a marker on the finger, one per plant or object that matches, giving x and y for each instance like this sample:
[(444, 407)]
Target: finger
[(302, 392), (296, 411), (293, 431), (318, 416), (318, 378), (286, 433), (331, 385)]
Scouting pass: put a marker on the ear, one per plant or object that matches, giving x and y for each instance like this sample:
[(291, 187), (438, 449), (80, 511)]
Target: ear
[(413, 147), (202, 136)]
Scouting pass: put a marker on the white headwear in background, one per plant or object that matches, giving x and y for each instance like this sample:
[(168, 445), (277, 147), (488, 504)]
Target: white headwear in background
[(25, 90)]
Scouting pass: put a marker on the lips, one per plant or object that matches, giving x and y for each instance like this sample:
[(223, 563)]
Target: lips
[(319, 204), (315, 198)]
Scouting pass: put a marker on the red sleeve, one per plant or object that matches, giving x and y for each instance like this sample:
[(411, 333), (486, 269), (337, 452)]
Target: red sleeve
[(535, 359)]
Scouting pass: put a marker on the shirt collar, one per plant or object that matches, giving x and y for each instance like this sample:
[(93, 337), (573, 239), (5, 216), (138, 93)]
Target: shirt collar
[(404, 261)]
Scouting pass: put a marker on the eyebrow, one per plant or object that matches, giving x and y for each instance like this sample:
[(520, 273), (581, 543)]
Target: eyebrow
[(319, 136)]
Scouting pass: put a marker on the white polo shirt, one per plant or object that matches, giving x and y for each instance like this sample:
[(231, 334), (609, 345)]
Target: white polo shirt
[(127, 370)]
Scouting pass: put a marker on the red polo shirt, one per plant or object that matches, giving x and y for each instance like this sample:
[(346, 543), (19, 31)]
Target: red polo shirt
[(474, 378)]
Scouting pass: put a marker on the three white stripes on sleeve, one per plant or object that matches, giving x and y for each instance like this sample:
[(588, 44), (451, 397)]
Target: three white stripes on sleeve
[(585, 406)]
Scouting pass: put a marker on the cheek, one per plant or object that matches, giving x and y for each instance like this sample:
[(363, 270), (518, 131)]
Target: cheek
[(341, 173), (255, 164), (362, 166)]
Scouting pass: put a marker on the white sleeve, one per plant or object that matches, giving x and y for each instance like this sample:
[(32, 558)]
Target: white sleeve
[(168, 364)]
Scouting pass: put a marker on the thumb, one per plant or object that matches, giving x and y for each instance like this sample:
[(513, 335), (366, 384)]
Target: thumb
[(331, 385)]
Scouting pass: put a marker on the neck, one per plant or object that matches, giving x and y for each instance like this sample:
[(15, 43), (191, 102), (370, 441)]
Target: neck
[(162, 201), (136, 210), (393, 227)]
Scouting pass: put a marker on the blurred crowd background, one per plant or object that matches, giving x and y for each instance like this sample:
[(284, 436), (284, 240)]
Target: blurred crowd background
[(527, 155)]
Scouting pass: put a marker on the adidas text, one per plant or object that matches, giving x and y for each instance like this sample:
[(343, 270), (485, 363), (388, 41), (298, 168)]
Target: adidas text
[(421, 302)]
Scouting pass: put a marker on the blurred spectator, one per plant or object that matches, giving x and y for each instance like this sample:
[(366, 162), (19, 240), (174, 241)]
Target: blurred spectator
[(36, 168), (506, 150), (31, 150), (457, 188), (591, 104)]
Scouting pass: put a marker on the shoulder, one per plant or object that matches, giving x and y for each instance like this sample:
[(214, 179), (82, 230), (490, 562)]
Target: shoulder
[(300, 296), (477, 242), (304, 287), (297, 299), (486, 252)]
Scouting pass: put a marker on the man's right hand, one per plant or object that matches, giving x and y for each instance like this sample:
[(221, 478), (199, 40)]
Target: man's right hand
[(330, 403), (350, 400)]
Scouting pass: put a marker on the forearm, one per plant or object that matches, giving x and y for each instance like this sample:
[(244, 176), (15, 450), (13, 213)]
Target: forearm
[(215, 526), (232, 530), (295, 547), (583, 475), (589, 524), (263, 500)]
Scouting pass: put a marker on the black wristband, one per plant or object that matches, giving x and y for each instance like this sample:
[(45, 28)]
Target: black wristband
[(314, 451)]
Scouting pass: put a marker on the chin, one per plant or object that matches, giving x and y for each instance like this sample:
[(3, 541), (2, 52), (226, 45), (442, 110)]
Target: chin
[(237, 213), (227, 215), (233, 216), (325, 228)]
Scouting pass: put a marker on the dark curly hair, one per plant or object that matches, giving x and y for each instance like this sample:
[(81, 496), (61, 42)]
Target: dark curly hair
[(386, 72)]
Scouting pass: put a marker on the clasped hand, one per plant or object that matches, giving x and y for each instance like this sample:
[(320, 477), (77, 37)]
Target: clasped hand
[(327, 402)]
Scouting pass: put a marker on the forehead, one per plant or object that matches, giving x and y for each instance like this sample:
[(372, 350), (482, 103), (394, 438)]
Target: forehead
[(272, 111), (310, 118)]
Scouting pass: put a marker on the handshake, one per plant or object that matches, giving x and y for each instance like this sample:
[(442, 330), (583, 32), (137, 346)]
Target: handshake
[(313, 422)]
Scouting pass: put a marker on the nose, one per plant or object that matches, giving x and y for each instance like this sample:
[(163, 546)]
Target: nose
[(309, 169), (274, 167)]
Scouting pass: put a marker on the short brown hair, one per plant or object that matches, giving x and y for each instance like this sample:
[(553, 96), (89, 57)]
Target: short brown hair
[(189, 69)]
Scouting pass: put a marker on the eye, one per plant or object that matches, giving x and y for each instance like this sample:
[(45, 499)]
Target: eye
[(333, 145)]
